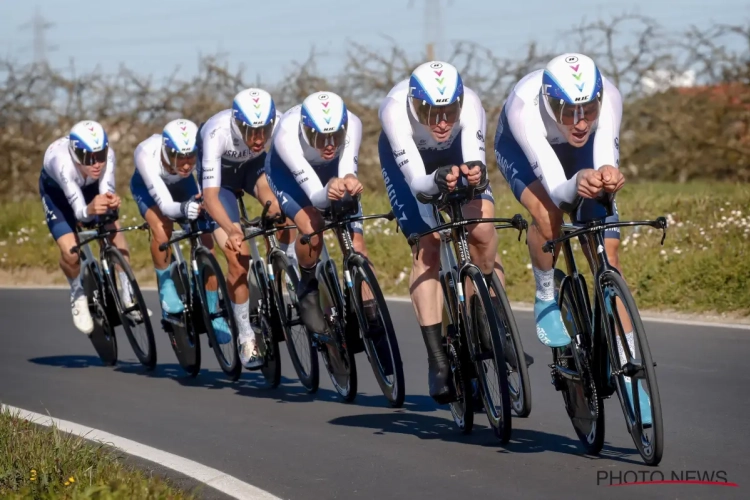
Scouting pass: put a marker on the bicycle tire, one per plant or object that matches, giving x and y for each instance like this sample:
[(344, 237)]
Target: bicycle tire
[(583, 402), (102, 336), (394, 392), (206, 261), (146, 354), (501, 421), (651, 451), (520, 398), (461, 408), (287, 310), (265, 327), (185, 340), (337, 357)]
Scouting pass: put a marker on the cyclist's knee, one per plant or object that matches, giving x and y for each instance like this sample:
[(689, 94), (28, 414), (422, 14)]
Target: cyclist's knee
[(65, 243), (307, 221), (429, 254), (546, 216), (612, 246)]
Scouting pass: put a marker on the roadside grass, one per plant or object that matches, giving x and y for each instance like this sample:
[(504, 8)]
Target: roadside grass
[(704, 265), (45, 463)]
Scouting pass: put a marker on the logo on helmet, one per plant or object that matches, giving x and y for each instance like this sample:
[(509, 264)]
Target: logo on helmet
[(323, 97), (571, 59), (254, 93), (436, 65)]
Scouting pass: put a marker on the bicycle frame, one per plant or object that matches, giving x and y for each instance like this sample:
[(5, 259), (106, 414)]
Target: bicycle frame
[(592, 234)]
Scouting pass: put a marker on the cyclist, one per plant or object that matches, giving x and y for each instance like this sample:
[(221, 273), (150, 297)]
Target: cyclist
[(164, 188), (557, 145), (433, 134), (76, 184), (231, 154), (313, 161)]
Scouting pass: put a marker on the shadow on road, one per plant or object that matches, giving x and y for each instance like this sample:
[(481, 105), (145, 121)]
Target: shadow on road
[(522, 440), (251, 384)]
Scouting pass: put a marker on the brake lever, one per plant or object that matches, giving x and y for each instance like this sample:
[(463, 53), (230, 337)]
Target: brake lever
[(663, 224)]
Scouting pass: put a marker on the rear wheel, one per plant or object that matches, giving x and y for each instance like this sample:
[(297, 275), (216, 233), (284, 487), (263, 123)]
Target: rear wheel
[(103, 336), (517, 370), (377, 329), (218, 308), (185, 340), (134, 314), (575, 377), (298, 342)]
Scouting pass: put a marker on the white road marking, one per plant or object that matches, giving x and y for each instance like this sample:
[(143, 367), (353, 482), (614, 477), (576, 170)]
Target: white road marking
[(206, 475)]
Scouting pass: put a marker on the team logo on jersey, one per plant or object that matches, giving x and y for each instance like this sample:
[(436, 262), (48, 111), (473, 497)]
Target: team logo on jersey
[(480, 136)]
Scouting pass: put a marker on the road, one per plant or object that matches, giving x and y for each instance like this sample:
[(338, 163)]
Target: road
[(299, 446)]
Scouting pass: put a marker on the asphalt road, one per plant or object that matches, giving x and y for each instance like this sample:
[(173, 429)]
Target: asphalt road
[(299, 446)]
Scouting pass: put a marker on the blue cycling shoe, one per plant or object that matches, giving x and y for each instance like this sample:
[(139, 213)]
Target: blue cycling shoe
[(643, 400), (168, 297), (221, 328), (549, 326)]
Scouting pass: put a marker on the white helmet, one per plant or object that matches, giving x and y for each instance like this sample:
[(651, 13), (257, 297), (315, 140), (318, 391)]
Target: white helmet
[(436, 93), (324, 119), (178, 140), (253, 111), (89, 143), (572, 89)]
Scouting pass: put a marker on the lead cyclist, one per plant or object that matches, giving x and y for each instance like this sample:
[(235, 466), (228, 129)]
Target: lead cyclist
[(433, 128), (557, 145)]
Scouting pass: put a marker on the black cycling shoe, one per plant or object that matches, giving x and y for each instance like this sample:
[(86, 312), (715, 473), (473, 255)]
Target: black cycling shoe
[(310, 312), (439, 371)]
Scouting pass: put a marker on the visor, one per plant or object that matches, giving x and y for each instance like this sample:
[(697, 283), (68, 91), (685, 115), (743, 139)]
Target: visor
[(88, 158), (319, 140), (427, 114), (250, 133), (571, 114)]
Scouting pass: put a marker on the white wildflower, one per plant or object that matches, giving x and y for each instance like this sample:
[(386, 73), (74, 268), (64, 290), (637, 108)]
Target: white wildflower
[(528, 266), (663, 252)]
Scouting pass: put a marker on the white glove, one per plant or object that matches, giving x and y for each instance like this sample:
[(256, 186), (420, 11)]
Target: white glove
[(190, 209)]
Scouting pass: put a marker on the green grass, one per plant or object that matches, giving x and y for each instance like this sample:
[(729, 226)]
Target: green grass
[(704, 265), (45, 463)]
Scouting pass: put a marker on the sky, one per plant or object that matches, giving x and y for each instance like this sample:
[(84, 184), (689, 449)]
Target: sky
[(268, 38)]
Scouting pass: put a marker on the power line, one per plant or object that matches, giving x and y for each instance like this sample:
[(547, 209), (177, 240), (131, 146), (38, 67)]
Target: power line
[(38, 26)]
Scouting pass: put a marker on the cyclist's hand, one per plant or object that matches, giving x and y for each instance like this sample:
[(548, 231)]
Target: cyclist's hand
[(99, 205), (113, 201), (589, 183), (446, 178), (336, 188), (234, 240), (190, 209), (353, 186), (472, 174), (612, 178)]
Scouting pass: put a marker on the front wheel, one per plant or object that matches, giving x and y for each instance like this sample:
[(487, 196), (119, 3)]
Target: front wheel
[(185, 339), (218, 313), (635, 379), (103, 336), (486, 349), (131, 308), (298, 341), (377, 330)]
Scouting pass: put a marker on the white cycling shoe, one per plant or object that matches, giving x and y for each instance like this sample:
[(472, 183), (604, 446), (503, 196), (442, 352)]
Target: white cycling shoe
[(249, 354), (81, 315)]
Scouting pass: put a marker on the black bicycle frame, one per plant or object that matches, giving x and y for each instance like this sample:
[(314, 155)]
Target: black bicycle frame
[(592, 234)]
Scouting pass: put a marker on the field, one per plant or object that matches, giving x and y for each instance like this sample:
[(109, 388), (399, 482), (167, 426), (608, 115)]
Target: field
[(703, 267)]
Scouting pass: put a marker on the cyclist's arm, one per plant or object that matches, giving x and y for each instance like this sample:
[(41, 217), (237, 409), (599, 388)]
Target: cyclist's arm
[(348, 160), (65, 179), (528, 130), (397, 128), (286, 144), (473, 129), (213, 148), (155, 184), (607, 138), (107, 180)]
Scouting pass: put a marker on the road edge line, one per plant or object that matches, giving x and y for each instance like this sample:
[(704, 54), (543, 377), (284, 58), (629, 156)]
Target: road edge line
[(209, 476)]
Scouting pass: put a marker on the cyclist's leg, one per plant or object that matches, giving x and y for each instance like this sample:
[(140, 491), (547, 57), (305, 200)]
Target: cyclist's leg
[(545, 225), (263, 192), (424, 286), (60, 221)]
